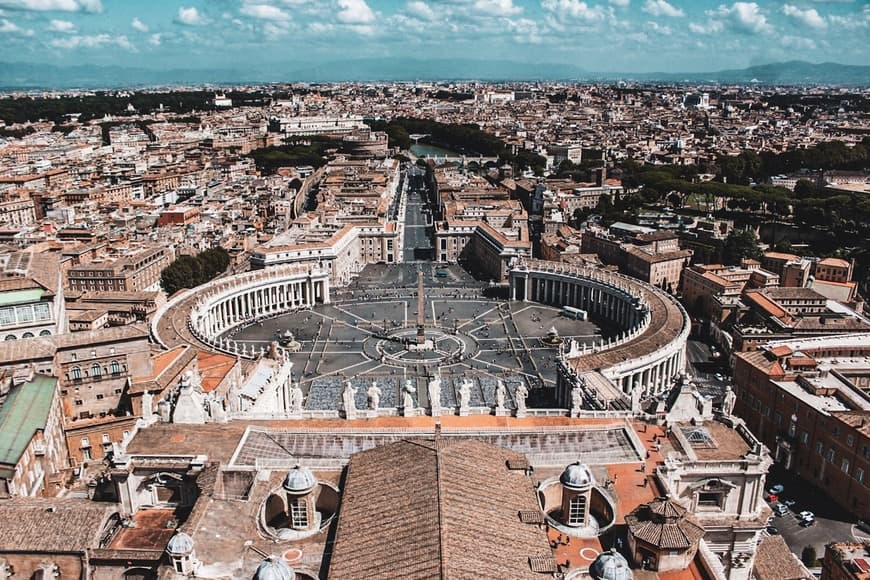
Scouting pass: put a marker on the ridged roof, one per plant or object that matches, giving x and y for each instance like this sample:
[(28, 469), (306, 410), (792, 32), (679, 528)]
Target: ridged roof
[(664, 524)]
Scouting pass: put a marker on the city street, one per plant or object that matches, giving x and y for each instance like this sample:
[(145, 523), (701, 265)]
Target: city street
[(703, 368), (418, 241), (833, 524)]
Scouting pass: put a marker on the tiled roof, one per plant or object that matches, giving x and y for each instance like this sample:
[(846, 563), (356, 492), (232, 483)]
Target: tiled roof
[(51, 525), (665, 525), (774, 561), (431, 509)]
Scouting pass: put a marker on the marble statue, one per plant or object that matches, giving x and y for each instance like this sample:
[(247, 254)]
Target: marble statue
[(576, 400), (729, 401), (435, 394), (147, 401), (499, 394), (407, 391), (465, 393), (348, 399), (374, 394), (295, 399), (520, 395)]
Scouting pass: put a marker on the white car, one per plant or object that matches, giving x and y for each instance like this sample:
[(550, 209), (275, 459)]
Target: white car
[(806, 515), (719, 376)]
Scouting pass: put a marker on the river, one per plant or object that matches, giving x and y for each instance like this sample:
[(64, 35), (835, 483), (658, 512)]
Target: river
[(424, 149)]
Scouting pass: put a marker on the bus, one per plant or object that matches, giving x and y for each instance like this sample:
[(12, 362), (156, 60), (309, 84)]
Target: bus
[(575, 313)]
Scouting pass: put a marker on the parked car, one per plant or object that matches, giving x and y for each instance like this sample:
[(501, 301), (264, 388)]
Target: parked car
[(863, 526), (806, 519), (776, 490), (780, 509), (772, 530), (789, 503)]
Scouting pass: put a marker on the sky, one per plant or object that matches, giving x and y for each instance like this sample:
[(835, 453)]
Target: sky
[(597, 35)]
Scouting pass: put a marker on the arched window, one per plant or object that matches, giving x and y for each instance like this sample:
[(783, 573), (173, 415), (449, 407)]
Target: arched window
[(10, 337), (76, 373), (27, 335), (115, 367), (95, 371), (577, 510), (45, 333)]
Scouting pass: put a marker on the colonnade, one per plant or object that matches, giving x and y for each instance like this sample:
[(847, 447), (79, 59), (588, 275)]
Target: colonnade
[(646, 367), (595, 297), (243, 304)]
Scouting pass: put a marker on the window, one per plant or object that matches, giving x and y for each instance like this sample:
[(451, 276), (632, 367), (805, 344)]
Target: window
[(115, 368), (105, 438), (299, 513), (820, 449), (76, 373), (577, 510), (10, 337), (850, 440), (86, 442), (25, 313), (844, 466), (859, 475), (804, 437), (831, 455), (78, 403), (709, 499), (27, 335), (95, 371)]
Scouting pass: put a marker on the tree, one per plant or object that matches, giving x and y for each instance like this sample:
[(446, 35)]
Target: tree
[(738, 245), (809, 557), (191, 271)]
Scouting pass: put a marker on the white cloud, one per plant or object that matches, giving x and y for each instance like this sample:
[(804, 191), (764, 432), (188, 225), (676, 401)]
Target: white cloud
[(662, 8), (661, 29), (525, 31), (810, 17), (139, 25), (852, 22), (7, 27), (798, 43), (54, 5), (190, 16), (354, 12), (264, 12), (576, 9), (420, 10), (622, 3), (712, 27), (742, 17), (92, 41), (61, 26), (155, 39), (497, 7)]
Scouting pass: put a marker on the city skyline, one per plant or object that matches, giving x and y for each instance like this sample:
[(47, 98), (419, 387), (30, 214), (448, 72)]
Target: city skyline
[(597, 36)]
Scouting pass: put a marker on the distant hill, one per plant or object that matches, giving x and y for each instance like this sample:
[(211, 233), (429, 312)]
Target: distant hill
[(38, 76), (793, 72)]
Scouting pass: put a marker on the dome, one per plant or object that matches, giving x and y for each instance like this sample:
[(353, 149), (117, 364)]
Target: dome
[(274, 569), (180, 545), (610, 566), (299, 480), (576, 475)]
